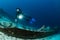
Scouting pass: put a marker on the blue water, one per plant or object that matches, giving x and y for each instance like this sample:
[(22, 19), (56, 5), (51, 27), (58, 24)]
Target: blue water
[(46, 12)]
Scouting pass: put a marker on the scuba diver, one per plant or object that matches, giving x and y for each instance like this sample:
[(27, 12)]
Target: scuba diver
[(20, 16)]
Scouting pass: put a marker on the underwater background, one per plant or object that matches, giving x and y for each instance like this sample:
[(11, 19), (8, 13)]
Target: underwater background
[(46, 12)]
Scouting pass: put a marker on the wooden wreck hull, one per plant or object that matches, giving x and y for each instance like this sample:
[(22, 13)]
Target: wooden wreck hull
[(19, 33)]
